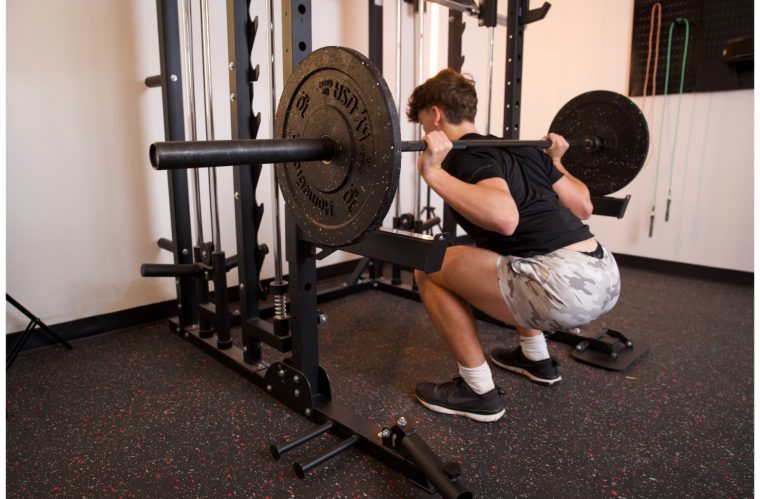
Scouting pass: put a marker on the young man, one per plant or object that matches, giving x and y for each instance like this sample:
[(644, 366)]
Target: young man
[(535, 265)]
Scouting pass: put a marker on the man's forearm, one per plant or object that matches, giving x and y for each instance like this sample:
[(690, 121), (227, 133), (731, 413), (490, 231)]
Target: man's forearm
[(582, 188)]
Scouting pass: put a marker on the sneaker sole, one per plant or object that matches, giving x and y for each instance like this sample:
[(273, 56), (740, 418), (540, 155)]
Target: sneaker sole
[(483, 418), (527, 374)]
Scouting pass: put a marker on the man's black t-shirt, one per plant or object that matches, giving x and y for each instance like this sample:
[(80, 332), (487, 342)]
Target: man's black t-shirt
[(545, 224)]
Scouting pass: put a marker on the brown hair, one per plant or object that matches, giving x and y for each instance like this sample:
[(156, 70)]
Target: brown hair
[(453, 92)]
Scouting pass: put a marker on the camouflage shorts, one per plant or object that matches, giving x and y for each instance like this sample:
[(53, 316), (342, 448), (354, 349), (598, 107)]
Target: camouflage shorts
[(560, 290)]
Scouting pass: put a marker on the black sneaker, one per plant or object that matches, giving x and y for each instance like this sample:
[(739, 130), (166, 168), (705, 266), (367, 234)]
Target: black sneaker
[(543, 372), (456, 397)]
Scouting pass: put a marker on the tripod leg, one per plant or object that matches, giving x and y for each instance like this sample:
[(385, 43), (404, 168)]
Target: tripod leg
[(52, 333), (36, 321), (19, 345)]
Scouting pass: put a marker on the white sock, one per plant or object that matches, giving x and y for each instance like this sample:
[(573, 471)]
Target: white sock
[(534, 347), (478, 378)]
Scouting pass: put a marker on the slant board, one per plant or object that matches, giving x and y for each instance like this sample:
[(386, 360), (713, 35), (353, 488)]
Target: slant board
[(712, 24)]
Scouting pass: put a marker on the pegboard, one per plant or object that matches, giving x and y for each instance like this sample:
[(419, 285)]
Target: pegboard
[(712, 23)]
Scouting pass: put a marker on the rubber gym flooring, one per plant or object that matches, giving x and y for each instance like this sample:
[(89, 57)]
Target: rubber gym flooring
[(143, 413)]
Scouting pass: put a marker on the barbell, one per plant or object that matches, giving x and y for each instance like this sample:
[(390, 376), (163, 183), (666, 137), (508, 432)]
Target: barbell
[(338, 149)]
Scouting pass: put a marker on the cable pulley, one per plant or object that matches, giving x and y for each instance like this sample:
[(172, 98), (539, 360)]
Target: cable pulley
[(337, 146)]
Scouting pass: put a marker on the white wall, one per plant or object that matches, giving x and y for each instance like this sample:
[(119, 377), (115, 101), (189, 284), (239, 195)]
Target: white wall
[(84, 208)]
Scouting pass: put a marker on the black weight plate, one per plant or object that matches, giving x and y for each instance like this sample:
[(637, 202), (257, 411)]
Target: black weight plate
[(622, 131), (337, 92)]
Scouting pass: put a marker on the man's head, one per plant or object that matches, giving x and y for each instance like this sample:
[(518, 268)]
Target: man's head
[(451, 92)]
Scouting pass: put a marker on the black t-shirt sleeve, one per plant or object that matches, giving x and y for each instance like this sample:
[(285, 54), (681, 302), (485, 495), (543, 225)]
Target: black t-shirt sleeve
[(551, 170), (474, 165)]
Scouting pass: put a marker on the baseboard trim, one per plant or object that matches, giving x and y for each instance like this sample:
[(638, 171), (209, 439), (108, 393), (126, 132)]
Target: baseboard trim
[(686, 269), (93, 326), (146, 314)]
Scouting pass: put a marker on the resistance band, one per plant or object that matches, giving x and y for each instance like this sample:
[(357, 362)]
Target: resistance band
[(656, 7), (685, 22)]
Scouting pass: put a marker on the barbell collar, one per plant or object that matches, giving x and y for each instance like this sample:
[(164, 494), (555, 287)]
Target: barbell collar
[(201, 154)]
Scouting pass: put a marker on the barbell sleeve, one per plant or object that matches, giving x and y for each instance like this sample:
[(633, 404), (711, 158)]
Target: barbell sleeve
[(201, 154)]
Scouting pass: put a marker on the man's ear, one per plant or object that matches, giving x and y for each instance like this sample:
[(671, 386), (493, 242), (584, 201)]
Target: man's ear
[(438, 115)]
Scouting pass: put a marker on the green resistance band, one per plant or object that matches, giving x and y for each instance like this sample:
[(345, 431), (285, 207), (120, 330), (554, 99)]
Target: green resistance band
[(685, 22)]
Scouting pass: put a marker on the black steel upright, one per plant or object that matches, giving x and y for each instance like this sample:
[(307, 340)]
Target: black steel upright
[(174, 129), (296, 34), (519, 15), (513, 72), (456, 29), (241, 33), (302, 267), (455, 62), (376, 33)]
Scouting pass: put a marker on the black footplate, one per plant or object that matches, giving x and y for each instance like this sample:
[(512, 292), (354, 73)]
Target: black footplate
[(609, 350)]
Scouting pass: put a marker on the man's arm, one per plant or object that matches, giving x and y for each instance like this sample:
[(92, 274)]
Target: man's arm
[(573, 193), (488, 204)]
